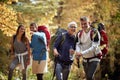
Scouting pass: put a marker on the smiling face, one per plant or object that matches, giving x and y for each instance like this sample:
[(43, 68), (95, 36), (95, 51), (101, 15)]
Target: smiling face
[(72, 29), (20, 30), (33, 27), (85, 24)]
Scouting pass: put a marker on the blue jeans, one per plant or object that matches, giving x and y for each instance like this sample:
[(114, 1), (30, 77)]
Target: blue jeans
[(90, 69), (62, 71)]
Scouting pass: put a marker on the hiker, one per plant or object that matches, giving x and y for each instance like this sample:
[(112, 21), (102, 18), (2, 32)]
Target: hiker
[(20, 51), (104, 39), (39, 51), (64, 50), (87, 46), (104, 43)]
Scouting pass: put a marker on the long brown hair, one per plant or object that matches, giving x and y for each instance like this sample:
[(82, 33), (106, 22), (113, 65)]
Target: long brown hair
[(23, 38)]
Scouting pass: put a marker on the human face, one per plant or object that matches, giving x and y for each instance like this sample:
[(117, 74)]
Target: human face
[(85, 25), (72, 29), (21, 30), (33, 28)]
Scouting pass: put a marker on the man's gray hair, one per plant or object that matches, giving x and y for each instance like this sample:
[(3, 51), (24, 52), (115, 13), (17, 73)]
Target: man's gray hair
[(84, 18), (73, 22)]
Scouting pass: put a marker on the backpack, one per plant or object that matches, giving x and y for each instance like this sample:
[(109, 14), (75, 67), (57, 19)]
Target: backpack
[(46, 31), (59, 32), (103, 39)]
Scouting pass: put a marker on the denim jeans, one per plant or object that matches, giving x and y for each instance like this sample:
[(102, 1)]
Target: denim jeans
[(62, 71), (90, 69)]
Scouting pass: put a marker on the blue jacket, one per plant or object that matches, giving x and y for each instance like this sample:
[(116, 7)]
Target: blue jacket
[(63, 49), (38, 47)]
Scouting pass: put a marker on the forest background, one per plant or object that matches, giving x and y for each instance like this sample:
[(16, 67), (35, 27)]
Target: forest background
[(58, 13)]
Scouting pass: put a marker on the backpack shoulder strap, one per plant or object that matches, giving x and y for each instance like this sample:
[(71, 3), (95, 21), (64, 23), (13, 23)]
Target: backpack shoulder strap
[(95, 35), (92, 34), (80, 33), (63, 39), (76, 36)]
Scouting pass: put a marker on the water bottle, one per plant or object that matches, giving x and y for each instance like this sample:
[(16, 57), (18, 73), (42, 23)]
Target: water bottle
[(71, 54)]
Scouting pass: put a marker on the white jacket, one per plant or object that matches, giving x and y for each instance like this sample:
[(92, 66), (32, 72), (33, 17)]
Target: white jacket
[(86, 46)]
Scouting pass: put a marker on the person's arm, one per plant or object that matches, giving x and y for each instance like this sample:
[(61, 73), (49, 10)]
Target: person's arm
[(12, 47), (95, 44), (55, 52), (91, 49), (104, 37), (28, 49), (56, 45), (77, 42), (12, 53), (31, 42)]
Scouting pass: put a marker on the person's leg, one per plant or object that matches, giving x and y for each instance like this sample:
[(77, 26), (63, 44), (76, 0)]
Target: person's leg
[(39, 76), (12, 67), (66, 71), (25, 66), (92, 69), (24, 74), (58, 71), (85, 66)]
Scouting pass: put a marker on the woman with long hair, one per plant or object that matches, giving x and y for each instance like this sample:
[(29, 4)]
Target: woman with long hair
[(20, 51)]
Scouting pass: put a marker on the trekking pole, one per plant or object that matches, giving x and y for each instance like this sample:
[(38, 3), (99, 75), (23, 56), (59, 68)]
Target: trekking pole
[(78, 63), (55, 63)]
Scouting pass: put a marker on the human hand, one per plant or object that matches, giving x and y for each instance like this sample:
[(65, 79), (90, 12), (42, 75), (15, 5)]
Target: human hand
[(48, 49), (56, 53), (71, 51), (31, 32), (78, 54), (99, 55)]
